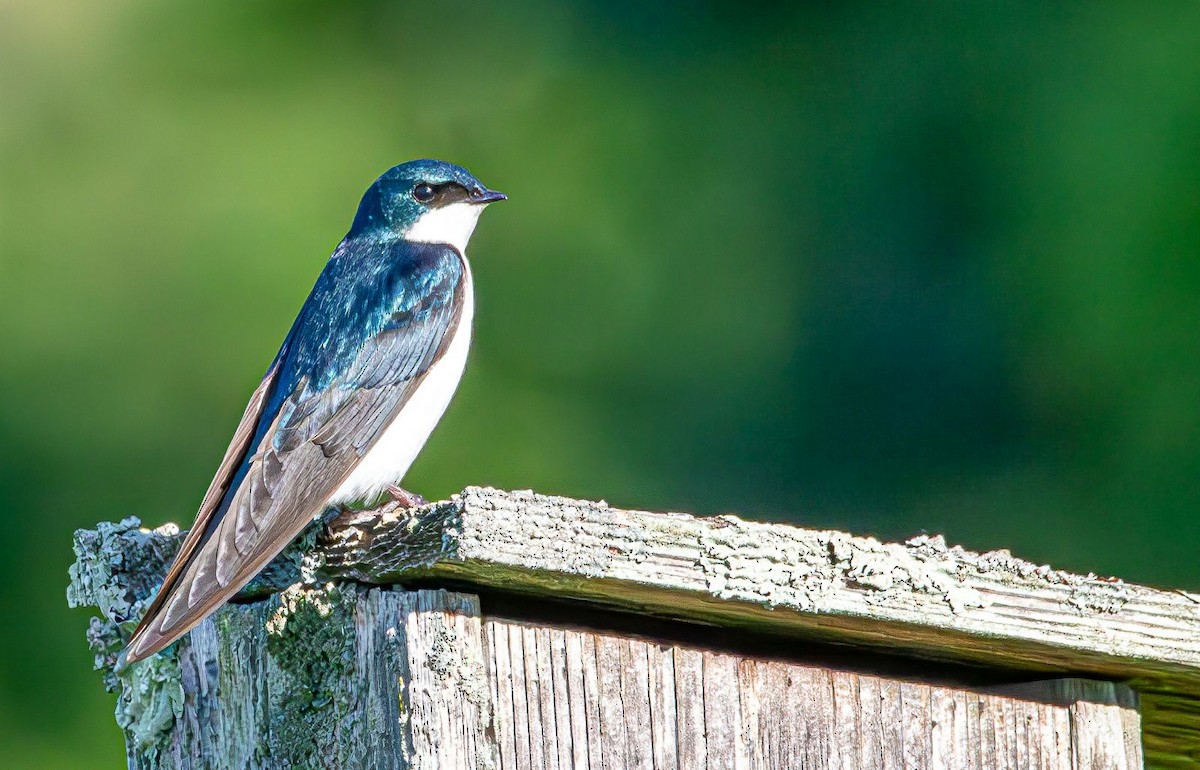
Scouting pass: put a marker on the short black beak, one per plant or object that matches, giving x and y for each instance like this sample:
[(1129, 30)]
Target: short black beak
[(482, 196)]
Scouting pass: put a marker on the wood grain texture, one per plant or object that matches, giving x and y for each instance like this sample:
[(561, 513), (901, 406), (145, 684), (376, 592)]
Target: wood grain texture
[(741, 712), (295, 652), (343, 677), (921, 597), (398, 680)]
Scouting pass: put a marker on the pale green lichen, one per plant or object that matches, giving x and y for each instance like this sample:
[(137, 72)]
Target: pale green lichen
[(310, 637), (117, 567), (151, 700)]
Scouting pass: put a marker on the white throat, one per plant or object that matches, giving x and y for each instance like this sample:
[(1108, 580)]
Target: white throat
[(451, 224)]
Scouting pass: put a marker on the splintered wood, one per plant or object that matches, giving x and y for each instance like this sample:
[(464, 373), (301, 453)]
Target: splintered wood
[(569, 698)]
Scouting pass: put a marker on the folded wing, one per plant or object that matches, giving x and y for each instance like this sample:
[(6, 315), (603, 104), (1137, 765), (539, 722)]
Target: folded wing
[(307, 425)]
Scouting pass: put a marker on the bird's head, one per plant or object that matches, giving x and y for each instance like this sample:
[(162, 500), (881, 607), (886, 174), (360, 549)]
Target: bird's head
[(429, 201)]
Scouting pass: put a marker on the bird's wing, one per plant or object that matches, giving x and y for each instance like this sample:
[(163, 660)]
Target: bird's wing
[(310, 443), (234, 456)]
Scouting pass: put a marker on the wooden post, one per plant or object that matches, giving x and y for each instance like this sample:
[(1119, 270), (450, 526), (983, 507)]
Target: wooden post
[(575, 635)]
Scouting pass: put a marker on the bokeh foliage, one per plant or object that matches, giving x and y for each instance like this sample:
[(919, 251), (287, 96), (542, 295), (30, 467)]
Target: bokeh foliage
[(928, 266)]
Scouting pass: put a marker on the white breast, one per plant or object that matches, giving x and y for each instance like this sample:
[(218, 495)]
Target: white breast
[(389, 458), (451, 224)]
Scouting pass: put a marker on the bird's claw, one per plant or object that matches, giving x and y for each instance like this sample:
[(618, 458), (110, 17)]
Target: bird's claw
[(403, 498)]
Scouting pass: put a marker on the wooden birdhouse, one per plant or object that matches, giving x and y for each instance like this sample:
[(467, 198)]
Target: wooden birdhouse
[(515, 630)]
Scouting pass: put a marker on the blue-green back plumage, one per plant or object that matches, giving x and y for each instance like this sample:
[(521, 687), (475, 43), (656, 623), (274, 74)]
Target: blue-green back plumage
[(378, 315)]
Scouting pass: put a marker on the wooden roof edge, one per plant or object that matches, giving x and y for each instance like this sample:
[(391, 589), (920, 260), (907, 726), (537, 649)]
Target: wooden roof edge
[(777, 576), (921, 597)]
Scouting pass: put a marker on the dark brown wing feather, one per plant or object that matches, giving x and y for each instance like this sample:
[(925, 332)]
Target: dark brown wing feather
[(216, 490), (311, 447)]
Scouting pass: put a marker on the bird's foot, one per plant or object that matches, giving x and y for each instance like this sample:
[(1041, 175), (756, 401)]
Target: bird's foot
[(405, 499)]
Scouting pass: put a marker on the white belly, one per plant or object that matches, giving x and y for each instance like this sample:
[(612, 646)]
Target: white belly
[(389, 458)]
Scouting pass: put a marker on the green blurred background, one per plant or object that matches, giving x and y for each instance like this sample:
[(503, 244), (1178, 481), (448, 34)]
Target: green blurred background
[(924, 267)]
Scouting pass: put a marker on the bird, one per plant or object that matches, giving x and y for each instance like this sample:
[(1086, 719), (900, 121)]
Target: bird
[(359, 383)]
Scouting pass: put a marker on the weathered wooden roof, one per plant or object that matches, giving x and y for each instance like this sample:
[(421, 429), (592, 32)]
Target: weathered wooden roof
[(920, 598)]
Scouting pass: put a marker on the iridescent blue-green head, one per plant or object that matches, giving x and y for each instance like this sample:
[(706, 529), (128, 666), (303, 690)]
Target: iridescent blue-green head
[(424, 200)]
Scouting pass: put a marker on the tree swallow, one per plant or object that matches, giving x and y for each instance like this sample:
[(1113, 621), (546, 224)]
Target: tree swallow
[(358, 385)]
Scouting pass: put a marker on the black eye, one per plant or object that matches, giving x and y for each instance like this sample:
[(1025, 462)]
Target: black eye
[(423, 193)]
